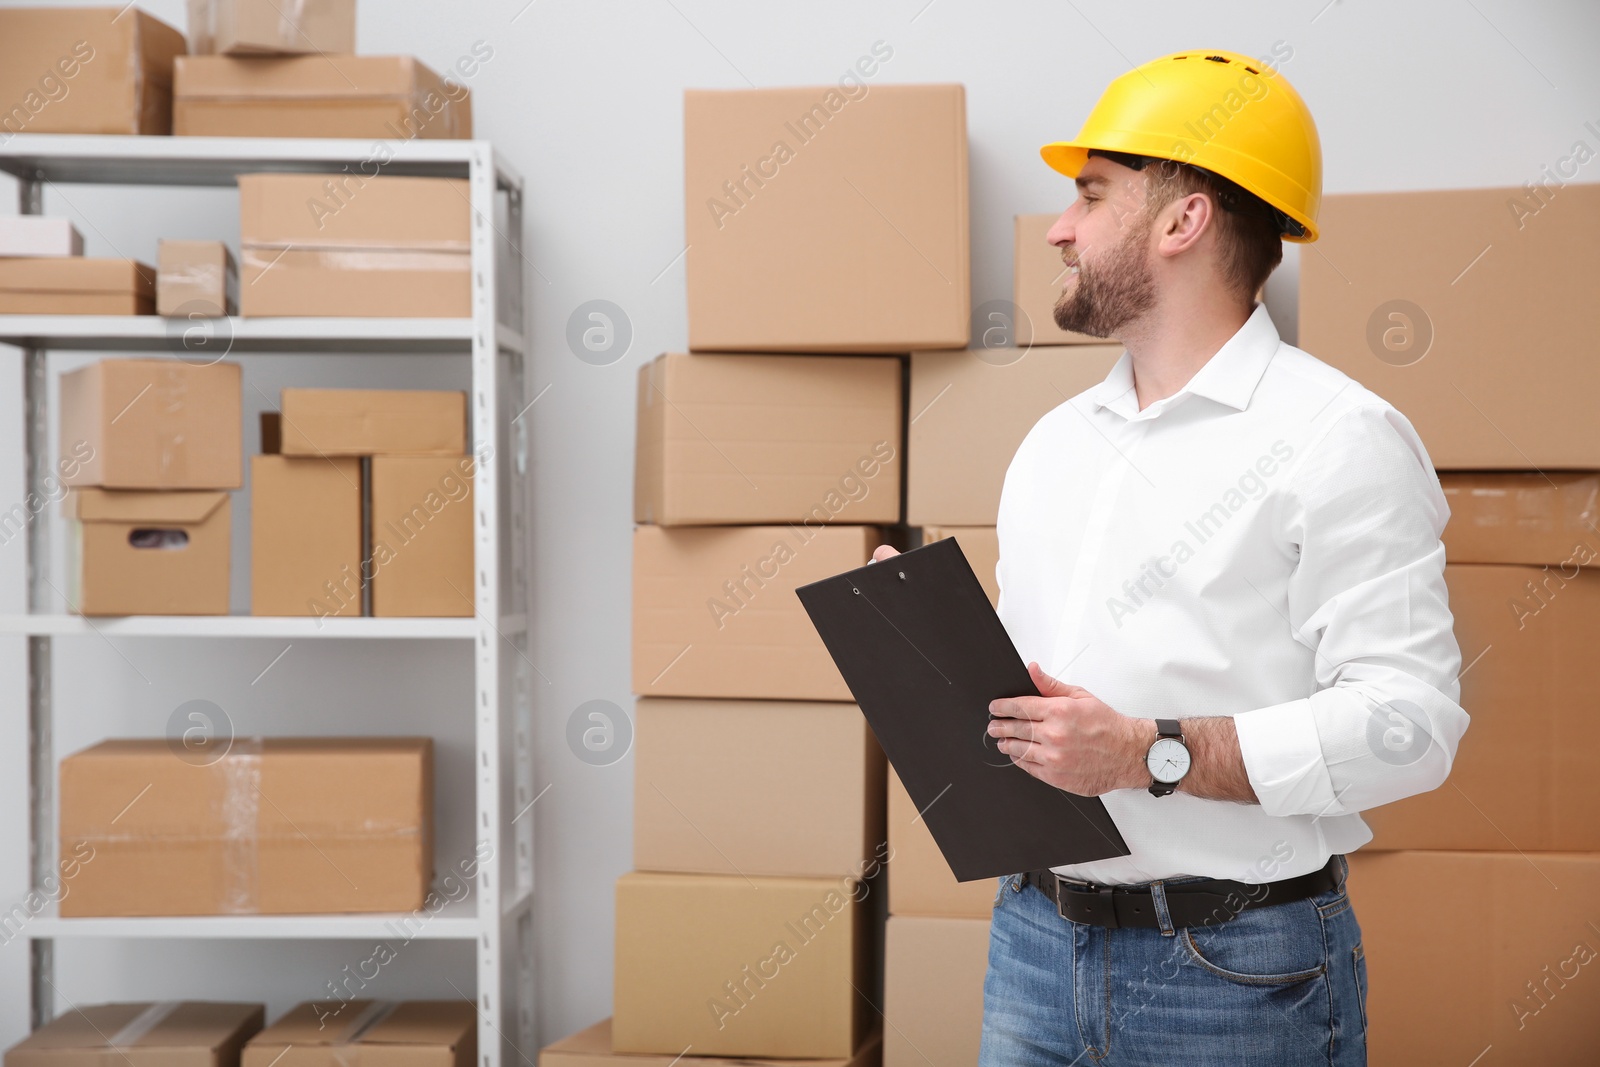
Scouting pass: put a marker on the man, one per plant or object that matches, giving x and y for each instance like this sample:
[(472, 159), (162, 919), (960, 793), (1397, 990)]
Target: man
[(1223, 568)]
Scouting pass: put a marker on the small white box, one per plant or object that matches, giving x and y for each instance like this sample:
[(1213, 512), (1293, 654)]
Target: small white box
[(38, 235)]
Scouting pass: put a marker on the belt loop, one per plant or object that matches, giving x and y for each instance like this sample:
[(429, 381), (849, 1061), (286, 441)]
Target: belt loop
[(1158, 896)]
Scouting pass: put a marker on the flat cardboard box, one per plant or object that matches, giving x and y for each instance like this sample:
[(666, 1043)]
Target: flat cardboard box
[(349, 245), (1519, 981), (1522, 517), (1427, 298), (712, 795), (765, 439), (37, 236), (305, 535), (981, 546), (920, 882), (85, 70), (933, 972), (391, 98), (715, 614), (1038, 275), (153, 424), (370, 422), (271, 28), (73, 285), (827, 219), (174, 1033), (196, 279), (420, 561), (369, 1033), (732, 966), (1522, 776), (268, 826), (147, 552), (970, 410), (592, 1048)]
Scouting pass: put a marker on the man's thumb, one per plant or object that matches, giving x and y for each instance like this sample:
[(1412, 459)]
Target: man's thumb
[(1048, 686)]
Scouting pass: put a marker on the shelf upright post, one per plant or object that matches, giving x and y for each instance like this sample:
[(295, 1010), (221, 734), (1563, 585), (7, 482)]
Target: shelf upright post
[(41, 765)]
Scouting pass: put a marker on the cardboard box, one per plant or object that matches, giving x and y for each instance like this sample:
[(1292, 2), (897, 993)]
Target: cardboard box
[(1519, 980), (420, 559), (85, 70), (346, 245), (715, 614), (196, 279), (72, 285), (137, 552), (177, 1033), (369, 422), (266, 27), (969, 412), (369, 1033), (747, 439), (1427, 297), (1522, 517), (933, 972), (37, 236), (245, 826), (153, 424), (305, 535), (1038, 275), (732, 966), (981, 546), (592, 1048), (827, 219), (1531, 683), (706, 801), (391, 98), (920, 882)]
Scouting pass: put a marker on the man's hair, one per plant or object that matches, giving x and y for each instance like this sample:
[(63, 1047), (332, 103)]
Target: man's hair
[(1249, 241), (1249, 230)]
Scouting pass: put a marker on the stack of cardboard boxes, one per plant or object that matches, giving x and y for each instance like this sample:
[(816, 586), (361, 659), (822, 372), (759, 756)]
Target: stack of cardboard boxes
[(354, 244), (250, 68), (415, 1033), (1469, 311), (828, 220)]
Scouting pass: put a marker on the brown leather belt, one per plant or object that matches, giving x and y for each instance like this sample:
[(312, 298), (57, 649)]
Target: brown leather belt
[(1188, 903)]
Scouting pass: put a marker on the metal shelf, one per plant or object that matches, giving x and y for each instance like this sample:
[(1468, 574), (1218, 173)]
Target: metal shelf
[(456, 921), (116, 160), (497, 918), (238, 626), (453, 922), (213, 338)]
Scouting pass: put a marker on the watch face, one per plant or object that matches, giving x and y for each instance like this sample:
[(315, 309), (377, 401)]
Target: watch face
[(1168, 759)]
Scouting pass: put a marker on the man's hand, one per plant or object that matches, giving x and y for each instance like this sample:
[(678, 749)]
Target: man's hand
[(883, 552), (1069, 738)]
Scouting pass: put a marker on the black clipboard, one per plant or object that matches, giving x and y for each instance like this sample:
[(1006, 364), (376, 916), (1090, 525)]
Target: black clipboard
[(924, 653)]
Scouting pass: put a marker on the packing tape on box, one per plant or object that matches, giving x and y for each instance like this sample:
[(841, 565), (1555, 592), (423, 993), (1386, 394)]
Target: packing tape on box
[(141, 1024), (241, 812), (343, 1047), (264, 257)]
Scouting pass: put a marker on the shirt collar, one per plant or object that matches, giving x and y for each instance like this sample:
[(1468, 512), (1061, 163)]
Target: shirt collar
[(1229, 377)]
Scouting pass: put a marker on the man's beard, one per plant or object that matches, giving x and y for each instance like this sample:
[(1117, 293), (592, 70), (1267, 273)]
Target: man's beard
[(1118, 290)]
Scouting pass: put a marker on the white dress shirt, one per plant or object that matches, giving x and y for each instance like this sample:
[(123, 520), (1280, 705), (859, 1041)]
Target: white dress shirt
[(1264, 544)]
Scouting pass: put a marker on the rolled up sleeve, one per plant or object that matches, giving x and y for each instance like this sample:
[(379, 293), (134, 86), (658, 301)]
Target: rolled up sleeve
[(1367, 596)]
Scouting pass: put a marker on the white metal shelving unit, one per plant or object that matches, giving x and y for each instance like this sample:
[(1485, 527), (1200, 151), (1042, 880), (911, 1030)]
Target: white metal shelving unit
[(497, 916)]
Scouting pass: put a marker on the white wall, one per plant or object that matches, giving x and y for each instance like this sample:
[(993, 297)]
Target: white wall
[(584, 97)]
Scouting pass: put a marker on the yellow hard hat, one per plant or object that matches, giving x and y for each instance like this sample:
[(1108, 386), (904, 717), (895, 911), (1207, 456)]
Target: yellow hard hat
[(1230, 114)]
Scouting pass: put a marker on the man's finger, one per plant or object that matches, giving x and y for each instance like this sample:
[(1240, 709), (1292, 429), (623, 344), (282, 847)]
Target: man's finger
[(1022, 728)]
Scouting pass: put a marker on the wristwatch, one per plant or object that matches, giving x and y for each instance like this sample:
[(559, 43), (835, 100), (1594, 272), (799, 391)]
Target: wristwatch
[(1168, 758)]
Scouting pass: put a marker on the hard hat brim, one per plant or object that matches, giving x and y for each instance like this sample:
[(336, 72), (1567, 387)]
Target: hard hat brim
[(1069, 157)]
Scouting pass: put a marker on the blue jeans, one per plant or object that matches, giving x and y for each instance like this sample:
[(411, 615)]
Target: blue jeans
[(1276, 986)]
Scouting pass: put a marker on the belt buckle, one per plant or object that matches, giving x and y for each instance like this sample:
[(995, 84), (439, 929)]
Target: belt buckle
[(1102, 892)]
